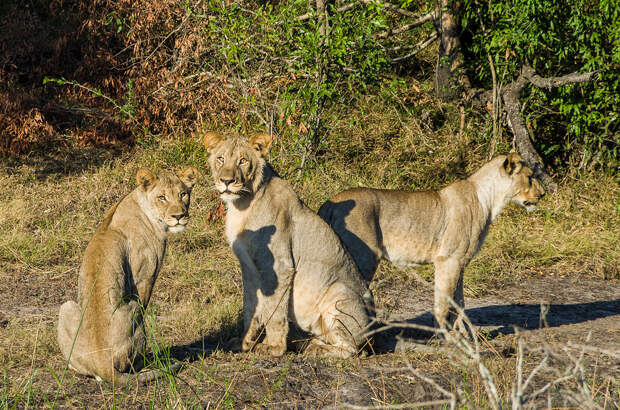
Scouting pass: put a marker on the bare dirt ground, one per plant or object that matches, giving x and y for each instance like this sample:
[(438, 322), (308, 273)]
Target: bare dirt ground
[(579, 310)]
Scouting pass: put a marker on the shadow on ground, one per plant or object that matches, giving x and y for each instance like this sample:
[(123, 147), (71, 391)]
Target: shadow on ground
[(508, 317), (209, 343), (505, 317)]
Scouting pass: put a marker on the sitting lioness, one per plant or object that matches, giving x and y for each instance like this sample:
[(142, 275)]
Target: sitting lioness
[(103, 334), (293, 265), (445, 227)]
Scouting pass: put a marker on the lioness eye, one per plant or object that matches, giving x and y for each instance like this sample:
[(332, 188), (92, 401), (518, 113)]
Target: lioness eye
[(220, 159), (183, 195), (243, 161), (162, 197)]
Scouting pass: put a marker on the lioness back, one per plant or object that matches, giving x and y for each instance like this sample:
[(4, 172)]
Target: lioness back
[(364, 220)]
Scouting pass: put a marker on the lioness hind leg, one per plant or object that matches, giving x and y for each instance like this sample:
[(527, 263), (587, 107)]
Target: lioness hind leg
[(339, 330), (448, 285), (127, 337), (71, 343), (317, 347)]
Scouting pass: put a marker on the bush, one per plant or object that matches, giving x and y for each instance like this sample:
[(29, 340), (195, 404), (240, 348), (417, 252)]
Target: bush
[(57, 38), (576, 123)]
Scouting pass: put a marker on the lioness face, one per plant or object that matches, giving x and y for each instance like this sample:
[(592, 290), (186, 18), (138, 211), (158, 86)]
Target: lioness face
[(526, 190), (236, 164), (168, 196)]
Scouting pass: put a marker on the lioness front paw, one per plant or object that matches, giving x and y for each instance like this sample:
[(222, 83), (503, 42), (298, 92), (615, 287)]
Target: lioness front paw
[(271, 350), (248, 344), (317, 348)]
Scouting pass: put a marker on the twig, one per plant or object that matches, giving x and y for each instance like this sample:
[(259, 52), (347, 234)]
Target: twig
[(342, 9), (417, 48), (457, 338), (407, 27), (397, 406), (392, 7), (594, 349)]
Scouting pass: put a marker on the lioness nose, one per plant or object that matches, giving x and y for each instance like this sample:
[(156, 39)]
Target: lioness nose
[(178, 216), (226, 181)]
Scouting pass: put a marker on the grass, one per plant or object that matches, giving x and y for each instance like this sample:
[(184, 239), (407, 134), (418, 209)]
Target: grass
[(51, 205)]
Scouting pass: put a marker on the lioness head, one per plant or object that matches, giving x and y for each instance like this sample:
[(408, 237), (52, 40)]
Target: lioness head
[(237, 163), (167, 196), (525, 189)]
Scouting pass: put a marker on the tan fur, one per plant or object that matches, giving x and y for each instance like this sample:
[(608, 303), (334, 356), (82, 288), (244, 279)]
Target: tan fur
[(117, 276), (293, 265), (445, 227)]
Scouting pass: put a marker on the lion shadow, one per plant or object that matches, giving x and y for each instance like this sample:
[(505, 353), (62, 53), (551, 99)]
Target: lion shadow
[(505, 319), (225, 338)]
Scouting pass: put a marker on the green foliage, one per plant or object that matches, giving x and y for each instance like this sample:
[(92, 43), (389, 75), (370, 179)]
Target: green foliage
[(312, 72), (556, 38)]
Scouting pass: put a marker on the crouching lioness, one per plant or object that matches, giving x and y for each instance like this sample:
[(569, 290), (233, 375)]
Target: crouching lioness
[(293, 266), (445, 227), (103, 334)]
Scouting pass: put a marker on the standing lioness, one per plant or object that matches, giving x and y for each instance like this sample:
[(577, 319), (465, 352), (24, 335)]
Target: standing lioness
[(103, 334), (293, 266), (445, 227)]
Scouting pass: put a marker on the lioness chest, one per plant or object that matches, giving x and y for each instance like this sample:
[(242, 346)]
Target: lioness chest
[(247, 236), (236, 221)]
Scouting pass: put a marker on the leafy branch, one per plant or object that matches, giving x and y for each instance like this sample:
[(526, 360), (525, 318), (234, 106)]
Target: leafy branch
[(127, 110)]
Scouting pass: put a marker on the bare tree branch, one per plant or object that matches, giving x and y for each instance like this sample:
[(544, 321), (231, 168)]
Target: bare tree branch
[(522, 140), (553, 82), (512, 107)]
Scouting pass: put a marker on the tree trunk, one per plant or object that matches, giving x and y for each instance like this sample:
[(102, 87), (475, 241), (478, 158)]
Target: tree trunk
[(321, 12), (450, 77)]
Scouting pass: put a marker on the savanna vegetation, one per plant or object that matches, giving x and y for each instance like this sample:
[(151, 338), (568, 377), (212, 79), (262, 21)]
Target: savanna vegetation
[(407, 95)]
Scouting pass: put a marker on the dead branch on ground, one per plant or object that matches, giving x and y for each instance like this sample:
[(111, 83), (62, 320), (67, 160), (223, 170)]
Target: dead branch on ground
[(463, 341)]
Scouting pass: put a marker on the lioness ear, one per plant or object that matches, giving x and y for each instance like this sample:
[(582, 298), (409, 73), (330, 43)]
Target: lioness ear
[(145, 179), (188, 176), (513, 163), (211, 139), (261, 142)]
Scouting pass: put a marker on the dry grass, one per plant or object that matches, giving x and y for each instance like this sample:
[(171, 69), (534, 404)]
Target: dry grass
[(51, 207)]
